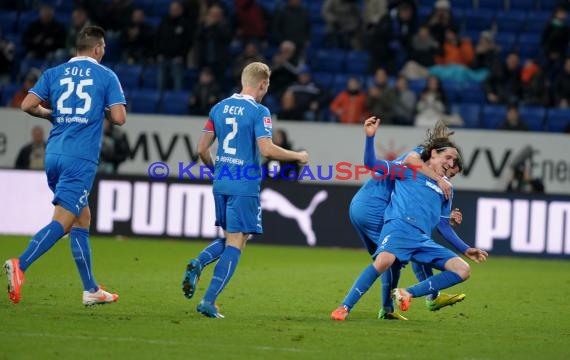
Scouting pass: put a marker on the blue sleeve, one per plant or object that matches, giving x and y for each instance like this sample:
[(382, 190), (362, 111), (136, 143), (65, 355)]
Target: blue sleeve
[(380, 166), (115, 93), (41, 88), (262, 126), (445, 229)]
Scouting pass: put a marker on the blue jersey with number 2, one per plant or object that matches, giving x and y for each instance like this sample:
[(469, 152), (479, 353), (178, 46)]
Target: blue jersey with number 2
[(78, 92), (237, 122)]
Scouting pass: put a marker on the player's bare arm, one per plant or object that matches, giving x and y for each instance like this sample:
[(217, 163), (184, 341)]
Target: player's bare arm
[(117, 114), (371, 125), (32, 105), (204, 143), (271, 151)]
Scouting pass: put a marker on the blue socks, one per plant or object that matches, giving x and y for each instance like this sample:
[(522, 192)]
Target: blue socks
[(422, 272), (390, 280), (222, 273), (212, 252), (81, 250), (40, 243), (435, 283), (361, 286)]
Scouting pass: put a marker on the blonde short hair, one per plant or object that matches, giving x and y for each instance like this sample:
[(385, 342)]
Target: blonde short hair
[(254, 73)]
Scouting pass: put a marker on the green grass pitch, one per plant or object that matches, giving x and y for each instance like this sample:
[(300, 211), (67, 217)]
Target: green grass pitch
[(277, 307)]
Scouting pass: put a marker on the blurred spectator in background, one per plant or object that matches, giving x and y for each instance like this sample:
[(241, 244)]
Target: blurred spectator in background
[(343, 23), (135, 39), (520, 180), (205, 93), (372, 12), (309, 97), (349, 105), (79, 19), (114, 149), (432, 106), (114, 15), (173, 41), (292, 22), (405, 104), (487, 53), (7, 56), (31, 78), (285, 170), (43, 37), (283, 68), (513, 120), (456, 50), (251, 21), (533, 81), (288, 109), (562, 86), (423, 47), (391, 36), (441, 20), (31, 156), (555, 36), (504, 85), (380, 102), (212, 39), (250, 54)]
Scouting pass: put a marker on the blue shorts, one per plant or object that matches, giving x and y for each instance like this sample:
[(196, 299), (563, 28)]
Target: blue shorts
[(407, 243), (367, 217), (235, 213), (71, 180)]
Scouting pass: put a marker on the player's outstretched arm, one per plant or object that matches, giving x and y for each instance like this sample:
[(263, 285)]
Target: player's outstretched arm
[(117, 114), (271, 151), (445, 229), (32, 105), (206, 140), (413, 159)]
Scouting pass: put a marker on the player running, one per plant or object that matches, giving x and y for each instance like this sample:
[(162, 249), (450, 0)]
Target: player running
[(244, 130), (79, 92)]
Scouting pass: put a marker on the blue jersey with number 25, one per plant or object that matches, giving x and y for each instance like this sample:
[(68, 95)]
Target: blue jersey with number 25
[(237, 122), (78, 92)]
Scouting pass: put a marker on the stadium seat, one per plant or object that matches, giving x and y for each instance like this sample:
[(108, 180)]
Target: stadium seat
[(317, 36), (8, 92), (557, 120), (272, 103), (470, 113), (462, 4), (150, 77), (493, 116), (146, 6), (452, 90), (533, 117), (129, 75), (323, 79), (494, 5), (417, 86), (479, 20), (27, 64), (8, 21), (473, 94), (548, 5), (506, 40), (175, 102), (524, 5), (328, 60), (537, 21), (357, 62), (513, 21), (144, 101), (160, 8), (153, 21)]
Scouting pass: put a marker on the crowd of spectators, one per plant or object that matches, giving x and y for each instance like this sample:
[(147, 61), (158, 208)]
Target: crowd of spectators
[(415, 56)]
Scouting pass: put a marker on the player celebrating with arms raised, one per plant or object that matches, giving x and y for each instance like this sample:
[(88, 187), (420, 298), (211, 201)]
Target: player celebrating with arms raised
[(78, 91), (243, 127)]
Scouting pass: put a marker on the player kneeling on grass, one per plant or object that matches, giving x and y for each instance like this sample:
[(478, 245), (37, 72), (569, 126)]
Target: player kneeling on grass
[(414, 211), (243, 127), (78, 91)]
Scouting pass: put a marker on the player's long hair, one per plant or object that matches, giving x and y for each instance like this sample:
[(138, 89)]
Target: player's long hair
[(439, 145), (439, 131)]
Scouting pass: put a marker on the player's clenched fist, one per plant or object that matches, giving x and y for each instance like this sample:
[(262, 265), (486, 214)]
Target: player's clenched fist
[(370, 125), (303, 157)]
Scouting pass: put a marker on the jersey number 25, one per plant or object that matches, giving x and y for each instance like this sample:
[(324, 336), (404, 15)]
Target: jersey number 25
[(80, 94)]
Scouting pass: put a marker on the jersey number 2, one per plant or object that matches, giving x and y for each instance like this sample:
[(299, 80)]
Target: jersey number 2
[(80, 94), (232, 134)]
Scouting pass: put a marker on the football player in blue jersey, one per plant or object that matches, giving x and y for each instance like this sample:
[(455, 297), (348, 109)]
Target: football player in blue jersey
[(244, 131), (79, 92), (367, 216), (415, 208)]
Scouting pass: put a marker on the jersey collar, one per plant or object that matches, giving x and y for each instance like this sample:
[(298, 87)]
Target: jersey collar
[(241, 96), (79, 58)]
